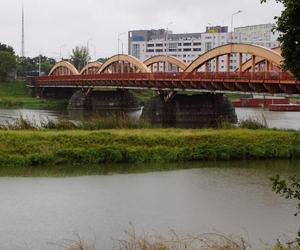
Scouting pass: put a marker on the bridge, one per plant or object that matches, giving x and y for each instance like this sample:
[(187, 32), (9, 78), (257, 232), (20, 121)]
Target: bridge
[(259, 71)]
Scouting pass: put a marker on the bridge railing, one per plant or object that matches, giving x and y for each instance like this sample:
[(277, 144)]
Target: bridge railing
[(167, 76)]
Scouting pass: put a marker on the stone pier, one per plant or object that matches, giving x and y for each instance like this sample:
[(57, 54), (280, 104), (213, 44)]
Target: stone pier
[(198, 110)]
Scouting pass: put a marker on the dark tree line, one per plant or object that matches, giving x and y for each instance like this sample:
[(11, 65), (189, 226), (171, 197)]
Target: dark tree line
[(30, 66), (8, 62), (12, 66)]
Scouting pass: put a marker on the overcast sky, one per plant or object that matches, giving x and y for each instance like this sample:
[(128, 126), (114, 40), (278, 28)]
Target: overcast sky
[(54, 25)]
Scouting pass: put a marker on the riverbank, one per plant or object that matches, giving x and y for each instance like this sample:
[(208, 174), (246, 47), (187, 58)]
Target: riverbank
[(14, 95), (83, 151)]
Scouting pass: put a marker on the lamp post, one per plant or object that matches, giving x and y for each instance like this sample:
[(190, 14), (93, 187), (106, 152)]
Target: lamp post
[(235, 13), (88, 49), (60, 51), (166, 49), (119, 35), (40, 62), (95, 52)]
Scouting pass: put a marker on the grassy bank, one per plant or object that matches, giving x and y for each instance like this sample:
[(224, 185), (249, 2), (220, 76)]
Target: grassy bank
[(21, 149), (14, 95)]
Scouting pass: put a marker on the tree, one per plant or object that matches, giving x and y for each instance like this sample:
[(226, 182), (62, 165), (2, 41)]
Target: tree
[(288, 24), (290, 190), (7, 61), (102, 59), (30, 66), (80, 57)]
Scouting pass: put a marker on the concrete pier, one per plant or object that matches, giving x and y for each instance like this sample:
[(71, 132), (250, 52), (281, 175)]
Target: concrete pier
[(199, 110)]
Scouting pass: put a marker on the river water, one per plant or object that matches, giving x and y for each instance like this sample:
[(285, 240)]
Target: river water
[(285, 120), (230, 198)]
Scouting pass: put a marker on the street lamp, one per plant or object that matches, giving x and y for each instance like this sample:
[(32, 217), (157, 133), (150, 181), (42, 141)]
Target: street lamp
[(95, 51), (60, 51), (87, 47), (166, 39), (119, 35), (40, 62), (235, 13)]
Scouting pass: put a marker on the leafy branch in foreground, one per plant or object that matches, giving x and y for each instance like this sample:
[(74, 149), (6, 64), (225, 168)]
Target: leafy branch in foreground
[(290, 190)]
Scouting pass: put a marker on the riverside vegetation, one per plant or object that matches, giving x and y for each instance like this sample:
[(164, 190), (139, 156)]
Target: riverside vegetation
[(14, 95), (68, 147)]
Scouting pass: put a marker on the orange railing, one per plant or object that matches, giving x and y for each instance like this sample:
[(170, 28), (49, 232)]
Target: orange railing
[(175, 76)]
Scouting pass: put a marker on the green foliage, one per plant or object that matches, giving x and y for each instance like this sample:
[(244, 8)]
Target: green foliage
[(28, 66), (14, 94), (7, 61), (290, 190), (253, 123), (80, 57), (32, 148), (288, 25), (102, 59)]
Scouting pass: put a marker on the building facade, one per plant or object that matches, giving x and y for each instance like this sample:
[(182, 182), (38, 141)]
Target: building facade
[(144, 44)]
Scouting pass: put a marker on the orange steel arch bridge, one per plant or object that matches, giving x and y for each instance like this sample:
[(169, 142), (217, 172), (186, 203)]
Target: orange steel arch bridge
[(259, 71)]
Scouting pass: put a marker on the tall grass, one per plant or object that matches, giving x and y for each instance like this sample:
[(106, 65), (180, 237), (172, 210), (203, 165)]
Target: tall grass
[(97, 147), (209, 241), (253, 123), (94, 123), (112, 122)]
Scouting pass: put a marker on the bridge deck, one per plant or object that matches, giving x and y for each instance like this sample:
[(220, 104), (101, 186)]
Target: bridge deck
[(248, 82)]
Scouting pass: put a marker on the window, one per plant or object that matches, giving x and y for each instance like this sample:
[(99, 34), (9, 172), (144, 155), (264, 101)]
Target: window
[(172, 45), (179, 44), (197, 49), (187, 44), (197, 44), (136, 50), (150, 45), (208, 46), (150, 50), (159, 45), (187, 49), (159, 50)]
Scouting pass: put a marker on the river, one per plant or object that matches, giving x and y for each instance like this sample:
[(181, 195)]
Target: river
[(230, 198), (285, 120)]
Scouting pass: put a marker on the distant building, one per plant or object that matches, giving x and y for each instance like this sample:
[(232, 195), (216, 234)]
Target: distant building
[(144, 44), (261, 34)]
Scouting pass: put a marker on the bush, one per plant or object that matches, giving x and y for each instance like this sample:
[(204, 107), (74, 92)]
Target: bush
[(253, 123)]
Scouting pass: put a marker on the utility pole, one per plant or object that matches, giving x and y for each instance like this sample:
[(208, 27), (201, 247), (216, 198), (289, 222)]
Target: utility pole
[(23, 34)]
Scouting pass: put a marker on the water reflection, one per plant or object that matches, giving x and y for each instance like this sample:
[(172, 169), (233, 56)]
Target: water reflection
[(285, 120)]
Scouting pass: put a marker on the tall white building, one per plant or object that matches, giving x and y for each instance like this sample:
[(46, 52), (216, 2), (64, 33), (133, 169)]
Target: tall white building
[(144, 44)]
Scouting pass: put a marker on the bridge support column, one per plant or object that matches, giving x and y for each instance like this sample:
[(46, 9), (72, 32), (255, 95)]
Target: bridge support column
[(199, 110), (104, 101), (217, 64)]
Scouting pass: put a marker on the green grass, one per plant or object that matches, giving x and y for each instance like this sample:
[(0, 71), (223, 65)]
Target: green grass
[(95, 149), (14, 95)]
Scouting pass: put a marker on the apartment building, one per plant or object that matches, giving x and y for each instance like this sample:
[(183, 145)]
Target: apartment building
[(144, 44)]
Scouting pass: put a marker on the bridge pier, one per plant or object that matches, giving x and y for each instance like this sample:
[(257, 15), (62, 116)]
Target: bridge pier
[(104, 101), (57, 93), (199, 110)]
